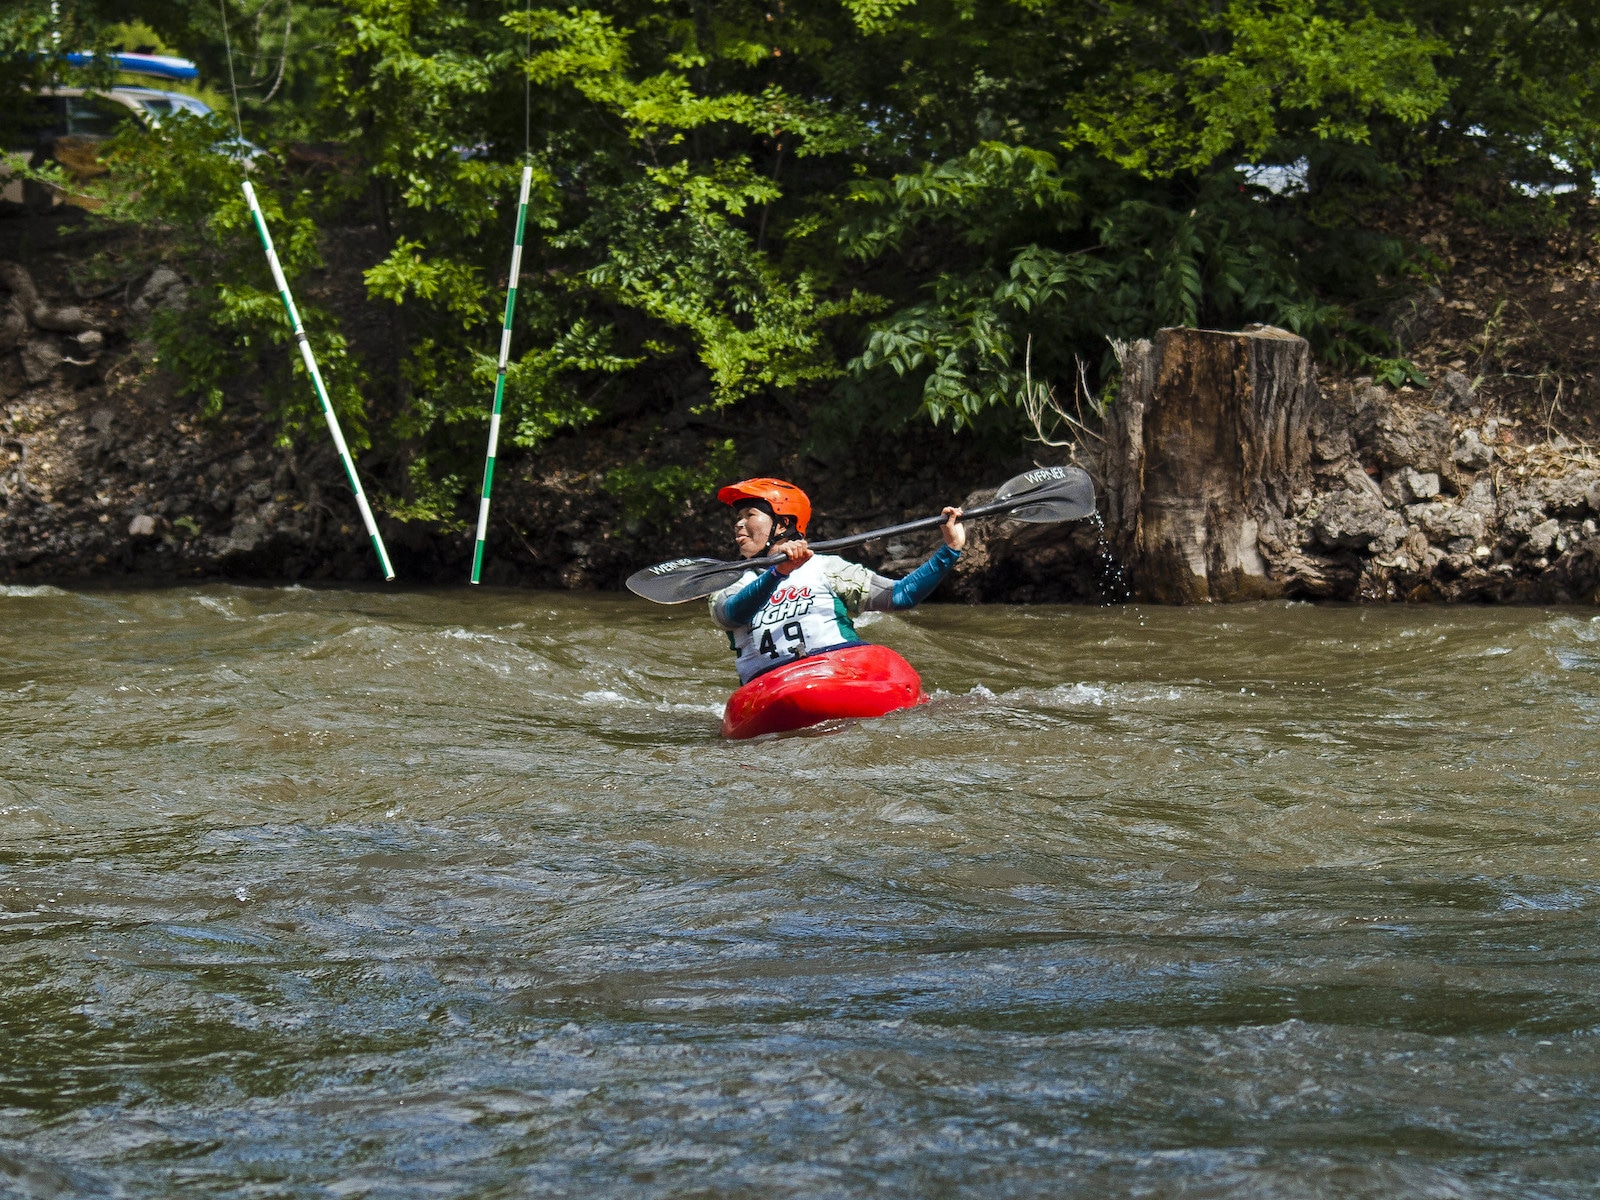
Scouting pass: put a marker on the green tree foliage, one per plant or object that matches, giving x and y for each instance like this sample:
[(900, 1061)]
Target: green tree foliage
[(185, 183), (1253, 76), (882, 202), (658, 495)]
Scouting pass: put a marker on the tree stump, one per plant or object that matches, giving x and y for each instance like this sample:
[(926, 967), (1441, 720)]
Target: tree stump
[(1205, 447)]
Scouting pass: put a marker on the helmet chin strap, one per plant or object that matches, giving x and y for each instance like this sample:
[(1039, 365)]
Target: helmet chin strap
[(775, 537)]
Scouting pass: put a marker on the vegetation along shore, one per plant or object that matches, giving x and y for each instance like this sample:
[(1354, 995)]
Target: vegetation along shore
[(894, 252)]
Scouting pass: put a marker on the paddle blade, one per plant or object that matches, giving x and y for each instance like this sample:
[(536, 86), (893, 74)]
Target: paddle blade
[(1047, 494), (684, 579)]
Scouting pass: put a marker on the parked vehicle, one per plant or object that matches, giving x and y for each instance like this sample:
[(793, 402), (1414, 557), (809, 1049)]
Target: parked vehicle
[(67, 121), (87, 112)]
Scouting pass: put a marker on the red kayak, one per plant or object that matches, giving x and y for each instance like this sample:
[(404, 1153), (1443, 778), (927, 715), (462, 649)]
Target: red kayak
[(858, 681)]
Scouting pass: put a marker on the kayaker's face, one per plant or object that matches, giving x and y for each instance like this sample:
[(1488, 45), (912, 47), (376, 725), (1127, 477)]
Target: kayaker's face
[(751, 529)]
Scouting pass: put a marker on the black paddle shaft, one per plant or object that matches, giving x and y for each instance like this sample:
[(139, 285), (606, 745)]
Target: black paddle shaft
[(1044, 495), (855, 539)]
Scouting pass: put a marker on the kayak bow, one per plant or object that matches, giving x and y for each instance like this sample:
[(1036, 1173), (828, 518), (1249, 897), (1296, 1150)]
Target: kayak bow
[(865, 680)]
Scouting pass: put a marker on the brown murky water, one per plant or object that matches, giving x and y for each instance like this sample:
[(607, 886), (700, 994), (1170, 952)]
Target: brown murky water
[(445, 894)]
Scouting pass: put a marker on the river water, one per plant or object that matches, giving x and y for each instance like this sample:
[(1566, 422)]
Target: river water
[(333, 893)]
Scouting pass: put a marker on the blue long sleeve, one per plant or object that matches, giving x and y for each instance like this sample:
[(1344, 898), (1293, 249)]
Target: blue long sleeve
[(918, 586), (741, 607)]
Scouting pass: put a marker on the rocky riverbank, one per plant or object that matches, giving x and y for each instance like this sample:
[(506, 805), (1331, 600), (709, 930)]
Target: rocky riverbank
[(108, 473), (1428, 495), (1464, 490)]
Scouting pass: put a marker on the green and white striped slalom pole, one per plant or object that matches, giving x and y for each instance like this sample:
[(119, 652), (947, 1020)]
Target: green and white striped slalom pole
[(306, 356), (500, 377)]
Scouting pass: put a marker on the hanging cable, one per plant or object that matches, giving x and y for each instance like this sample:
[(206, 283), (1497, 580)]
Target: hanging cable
[(527, 85), (233, 84), (307, 358), (481, 541)]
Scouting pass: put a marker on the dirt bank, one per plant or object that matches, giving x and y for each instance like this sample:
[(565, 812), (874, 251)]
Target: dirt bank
[(1478, 485), (107, 472)]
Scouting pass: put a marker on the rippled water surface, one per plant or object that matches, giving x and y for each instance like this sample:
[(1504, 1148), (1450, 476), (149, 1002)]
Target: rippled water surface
[(445, 894)]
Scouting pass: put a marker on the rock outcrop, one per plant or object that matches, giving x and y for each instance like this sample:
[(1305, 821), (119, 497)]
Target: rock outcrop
[(1230, 475), (1229, 472), (1468, 512)]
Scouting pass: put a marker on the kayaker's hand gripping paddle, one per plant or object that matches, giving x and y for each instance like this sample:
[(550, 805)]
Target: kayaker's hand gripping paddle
[(1041, 497)]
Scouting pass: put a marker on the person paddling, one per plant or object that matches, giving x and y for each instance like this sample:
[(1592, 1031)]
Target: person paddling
[(804, 605)]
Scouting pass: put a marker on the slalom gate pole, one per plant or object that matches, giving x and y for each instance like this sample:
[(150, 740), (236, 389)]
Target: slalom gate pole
[(500, 378), (310, 361)]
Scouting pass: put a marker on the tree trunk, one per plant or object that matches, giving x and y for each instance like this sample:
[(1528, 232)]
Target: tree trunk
[(1205, 447)]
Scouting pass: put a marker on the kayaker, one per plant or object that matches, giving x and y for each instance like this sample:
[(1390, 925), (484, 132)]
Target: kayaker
[(805, 605)]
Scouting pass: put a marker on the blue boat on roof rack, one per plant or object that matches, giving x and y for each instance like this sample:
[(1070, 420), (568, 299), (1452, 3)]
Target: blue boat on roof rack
[(163, 66)]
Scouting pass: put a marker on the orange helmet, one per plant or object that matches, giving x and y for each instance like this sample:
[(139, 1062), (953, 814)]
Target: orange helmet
[(785, 499)]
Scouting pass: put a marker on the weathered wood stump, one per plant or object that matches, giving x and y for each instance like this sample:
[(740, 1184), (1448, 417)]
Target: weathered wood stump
[(1205, 446)]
